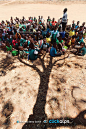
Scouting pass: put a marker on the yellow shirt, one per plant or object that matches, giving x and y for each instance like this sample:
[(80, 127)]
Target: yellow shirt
[(69, 42), (71, 33), (34, 30), (17, 25), (48, 40)]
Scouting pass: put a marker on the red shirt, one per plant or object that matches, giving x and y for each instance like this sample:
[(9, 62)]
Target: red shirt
[(14, 42), (53, 23)]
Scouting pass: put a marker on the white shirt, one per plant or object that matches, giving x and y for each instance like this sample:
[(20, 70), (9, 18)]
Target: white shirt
[(64, 19)]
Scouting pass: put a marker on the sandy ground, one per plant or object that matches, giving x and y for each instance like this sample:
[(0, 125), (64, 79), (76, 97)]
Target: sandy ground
[(19, 83), (75, 11)]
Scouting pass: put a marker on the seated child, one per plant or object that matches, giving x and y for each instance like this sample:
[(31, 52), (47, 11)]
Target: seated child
[(33, 53), (63, 34), (68, 43), (72, 32), (53, 51), (77, 26), (59, 42), (54, 22), (73, 25), (45, 45), (48, 19), (54, 35), (22, 40), (14, 41), (73, 41), (40, 41), (81, 29), (84, 35), (8, 47), (79, 40), (76, 33), (48, 39), (82, 50)]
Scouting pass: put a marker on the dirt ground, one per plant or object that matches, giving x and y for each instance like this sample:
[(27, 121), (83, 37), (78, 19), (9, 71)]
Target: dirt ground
[(19, 84), (75, 11)]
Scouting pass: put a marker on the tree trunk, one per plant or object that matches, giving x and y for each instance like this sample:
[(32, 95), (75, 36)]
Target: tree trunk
[(39, 107)]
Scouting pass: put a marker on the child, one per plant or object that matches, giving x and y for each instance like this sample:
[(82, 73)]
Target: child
[(73, 25), (33, 53), (54, 22), (53, 51), (73, 41), (63, 34), (45, 46), (84, 35), (77, 26), (59, 42), (72, 32), (54, 35), (40, 41), (8, 47), (48, 19), (48, 39), (79, 40), (68, 43), (14, 41), (82, 50)]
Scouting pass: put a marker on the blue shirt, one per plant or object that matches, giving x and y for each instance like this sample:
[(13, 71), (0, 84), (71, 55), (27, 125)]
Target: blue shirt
[(53, 52), (63, 34), (83, 51), (76, 27)]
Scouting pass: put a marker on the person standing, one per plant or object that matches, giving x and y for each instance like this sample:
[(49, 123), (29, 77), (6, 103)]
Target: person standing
[(64, 19)]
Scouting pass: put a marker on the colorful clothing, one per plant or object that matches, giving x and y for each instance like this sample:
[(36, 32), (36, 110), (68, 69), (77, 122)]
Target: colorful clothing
[(9, 48), (53, 52)]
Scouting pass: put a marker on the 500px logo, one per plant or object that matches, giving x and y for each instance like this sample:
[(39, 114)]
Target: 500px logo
[(59, 121)]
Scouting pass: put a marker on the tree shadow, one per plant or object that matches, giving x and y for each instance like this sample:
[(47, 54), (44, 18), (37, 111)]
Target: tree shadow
[(6, 113), (79, 120), (6, 64), (39, 107)]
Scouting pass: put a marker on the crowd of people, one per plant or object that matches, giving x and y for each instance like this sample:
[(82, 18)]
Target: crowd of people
[(30, 37)]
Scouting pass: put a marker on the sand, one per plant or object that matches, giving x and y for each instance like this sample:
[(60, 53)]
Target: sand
[(19, 83), (75, 11)]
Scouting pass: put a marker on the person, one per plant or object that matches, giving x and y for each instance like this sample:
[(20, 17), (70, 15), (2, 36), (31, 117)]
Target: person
[(77, 26), (48, 39), (68, 43), (82, 50), (40, 41), (84, 35), (64, 19), (63, 34), (33, 53), (45, 45), (79, 40), (54, 22), (53, 51), (48, 19), (73, 41), (42, 20), (13, 41), (8, 47), (72, 32), (73, 25), (59, 42), (54, 35)]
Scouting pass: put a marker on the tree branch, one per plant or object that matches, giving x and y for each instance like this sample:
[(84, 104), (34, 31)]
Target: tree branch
[(32, 66)]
